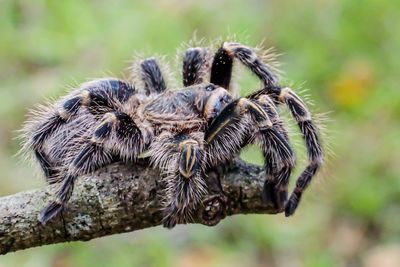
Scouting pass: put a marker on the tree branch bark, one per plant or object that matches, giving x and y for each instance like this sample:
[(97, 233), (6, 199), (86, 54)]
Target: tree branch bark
[(121, 198)]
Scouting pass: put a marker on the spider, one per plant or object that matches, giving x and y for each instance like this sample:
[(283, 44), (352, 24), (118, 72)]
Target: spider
[(184, 132)]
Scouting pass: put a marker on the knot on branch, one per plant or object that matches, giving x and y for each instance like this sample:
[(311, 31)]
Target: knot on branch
[(214, 210)]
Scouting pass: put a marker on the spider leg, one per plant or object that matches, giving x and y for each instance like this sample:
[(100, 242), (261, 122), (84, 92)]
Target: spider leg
[(194, 64), (181, 158), (45, 163), (298, 109), (98, 96), (221, 70), (244, 121), (314, 149), (152, 77), (95, 153), (278, 174)]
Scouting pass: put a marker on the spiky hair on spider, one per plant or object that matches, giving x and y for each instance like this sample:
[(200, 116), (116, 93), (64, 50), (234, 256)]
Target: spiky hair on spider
[(185, 132)]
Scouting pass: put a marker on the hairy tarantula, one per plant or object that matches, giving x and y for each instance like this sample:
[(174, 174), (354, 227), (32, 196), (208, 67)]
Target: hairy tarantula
[(185, 132)]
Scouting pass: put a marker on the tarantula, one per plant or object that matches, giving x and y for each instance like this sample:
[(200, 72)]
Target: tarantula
[(185, 132)]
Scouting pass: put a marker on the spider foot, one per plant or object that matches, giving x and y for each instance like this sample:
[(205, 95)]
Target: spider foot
[(275, 195), (292, 204), (214, 210), (170, 222), (174, 216)]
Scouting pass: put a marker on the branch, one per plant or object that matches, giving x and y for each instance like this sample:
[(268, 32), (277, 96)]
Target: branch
[(121, 198)]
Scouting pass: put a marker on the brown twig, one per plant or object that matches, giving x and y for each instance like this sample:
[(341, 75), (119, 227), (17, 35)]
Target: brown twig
[(121, 198)]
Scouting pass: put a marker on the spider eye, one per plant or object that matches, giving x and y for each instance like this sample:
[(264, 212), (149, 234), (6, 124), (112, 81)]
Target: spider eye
[(210, 87)]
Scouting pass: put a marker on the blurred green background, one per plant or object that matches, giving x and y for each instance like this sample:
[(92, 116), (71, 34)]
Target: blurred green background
[(346, 53)]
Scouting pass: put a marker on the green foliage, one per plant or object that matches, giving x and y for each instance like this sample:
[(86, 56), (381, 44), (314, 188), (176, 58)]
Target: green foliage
[(345, 52)]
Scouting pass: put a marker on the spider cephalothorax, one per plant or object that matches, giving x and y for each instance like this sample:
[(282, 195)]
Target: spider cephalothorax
[(185, 132)]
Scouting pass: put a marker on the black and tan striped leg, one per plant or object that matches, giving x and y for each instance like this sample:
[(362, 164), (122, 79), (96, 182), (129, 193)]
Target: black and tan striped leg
[(181, 157), (243, 121), (221, 70), (48, 167), (152, 76), (108, 91), (194, 67), (314, 149), (278, 174), (279, 158), (37, 140), (48, 128), (99, 151), (279, 161), (98, 97)]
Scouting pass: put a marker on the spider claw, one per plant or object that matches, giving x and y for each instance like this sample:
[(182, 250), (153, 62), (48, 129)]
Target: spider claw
[(291, 205), (172, 217), (51, 211), (274, 196), (268, 194), (169, 222)]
